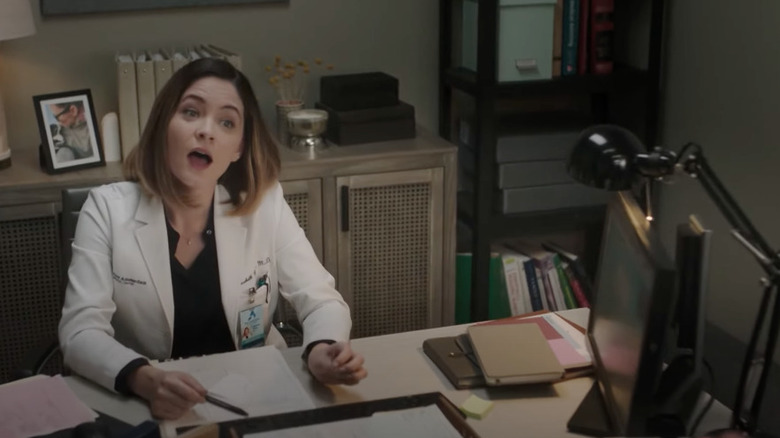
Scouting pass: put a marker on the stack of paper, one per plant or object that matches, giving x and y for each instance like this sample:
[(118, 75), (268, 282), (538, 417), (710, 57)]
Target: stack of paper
[(141, 75), (40, 405), (256, 380)]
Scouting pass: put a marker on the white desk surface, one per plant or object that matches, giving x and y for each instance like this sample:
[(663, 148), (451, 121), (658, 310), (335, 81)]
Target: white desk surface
[(397, 366)]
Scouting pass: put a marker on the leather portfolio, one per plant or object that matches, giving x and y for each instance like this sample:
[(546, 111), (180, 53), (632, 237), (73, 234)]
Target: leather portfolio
[(455, 360)]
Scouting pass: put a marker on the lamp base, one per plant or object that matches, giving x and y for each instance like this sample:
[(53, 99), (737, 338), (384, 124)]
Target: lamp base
[(5, 160)]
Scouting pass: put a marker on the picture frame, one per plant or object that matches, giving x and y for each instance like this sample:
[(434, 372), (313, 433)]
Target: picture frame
[(73, 7), (68, 127)]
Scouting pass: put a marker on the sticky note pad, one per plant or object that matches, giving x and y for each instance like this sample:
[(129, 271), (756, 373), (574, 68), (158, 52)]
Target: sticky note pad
[(476, 407)]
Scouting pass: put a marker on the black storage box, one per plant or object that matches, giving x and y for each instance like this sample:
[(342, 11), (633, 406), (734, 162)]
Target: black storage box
[(358, 91), (369, 125)]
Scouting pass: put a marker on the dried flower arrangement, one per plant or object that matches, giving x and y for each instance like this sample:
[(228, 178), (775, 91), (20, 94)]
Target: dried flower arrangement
[(288, 78)]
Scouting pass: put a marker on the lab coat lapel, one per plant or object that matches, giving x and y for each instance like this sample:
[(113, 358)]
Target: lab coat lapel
[(153, 241), (231, 255)]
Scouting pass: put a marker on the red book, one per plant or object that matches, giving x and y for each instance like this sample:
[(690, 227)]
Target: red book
[(576, 288), (584, 47), (602, 29)]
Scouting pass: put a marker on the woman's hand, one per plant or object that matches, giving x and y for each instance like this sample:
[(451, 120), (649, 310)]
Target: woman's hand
[(336, 364), (170, 393)]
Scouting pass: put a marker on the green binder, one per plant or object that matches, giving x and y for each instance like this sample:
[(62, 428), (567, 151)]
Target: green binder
[(498, 303)]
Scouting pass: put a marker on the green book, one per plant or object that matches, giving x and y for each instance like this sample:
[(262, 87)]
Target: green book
[(498, 303), (563, 279)]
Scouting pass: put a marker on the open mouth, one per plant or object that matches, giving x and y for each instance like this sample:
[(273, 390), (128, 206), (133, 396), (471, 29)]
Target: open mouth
[(199, 159)]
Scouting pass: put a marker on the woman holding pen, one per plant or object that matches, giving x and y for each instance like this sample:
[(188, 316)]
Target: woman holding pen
[(190, 255)]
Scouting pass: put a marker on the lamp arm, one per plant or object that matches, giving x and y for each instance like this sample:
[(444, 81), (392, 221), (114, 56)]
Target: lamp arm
[(697, 167)]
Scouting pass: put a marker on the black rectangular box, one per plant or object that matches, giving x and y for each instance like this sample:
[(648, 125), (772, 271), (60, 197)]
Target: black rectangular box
[(358, 91), (369, 125)]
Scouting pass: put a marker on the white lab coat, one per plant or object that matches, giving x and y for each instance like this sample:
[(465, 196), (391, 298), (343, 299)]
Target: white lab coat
[(119, 300)]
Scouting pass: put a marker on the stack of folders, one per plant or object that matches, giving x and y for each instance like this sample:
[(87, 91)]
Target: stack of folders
[(530, 162), (534, 348), (142, 74)]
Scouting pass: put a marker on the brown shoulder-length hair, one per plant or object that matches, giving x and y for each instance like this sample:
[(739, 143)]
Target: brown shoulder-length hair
[(246, 179)]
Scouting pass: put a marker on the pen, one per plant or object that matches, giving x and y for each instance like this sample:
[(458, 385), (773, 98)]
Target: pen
[(225, 405)]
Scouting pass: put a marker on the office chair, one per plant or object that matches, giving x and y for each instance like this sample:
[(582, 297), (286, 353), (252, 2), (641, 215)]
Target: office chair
[(47, 357)]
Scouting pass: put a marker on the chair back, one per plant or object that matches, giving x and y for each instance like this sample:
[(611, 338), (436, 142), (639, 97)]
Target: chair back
[(72, 200)]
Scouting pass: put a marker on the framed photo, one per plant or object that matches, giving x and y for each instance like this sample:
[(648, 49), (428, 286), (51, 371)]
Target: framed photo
[(68, 127), (71, 7)]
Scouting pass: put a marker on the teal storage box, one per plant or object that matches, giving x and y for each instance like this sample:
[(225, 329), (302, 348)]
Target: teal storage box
[(525, 39)]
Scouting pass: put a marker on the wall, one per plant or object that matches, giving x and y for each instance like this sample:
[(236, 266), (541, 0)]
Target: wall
[(399, 37), (721, 90)]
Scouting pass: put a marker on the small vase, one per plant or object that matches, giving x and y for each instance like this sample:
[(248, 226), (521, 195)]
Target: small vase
[(283, 107)]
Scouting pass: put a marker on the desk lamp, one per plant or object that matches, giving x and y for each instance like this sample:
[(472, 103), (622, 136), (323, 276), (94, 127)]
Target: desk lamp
[(16, 21), (612, 158)]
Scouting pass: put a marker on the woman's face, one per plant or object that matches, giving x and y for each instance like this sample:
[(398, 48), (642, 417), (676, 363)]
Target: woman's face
[(205, 133)]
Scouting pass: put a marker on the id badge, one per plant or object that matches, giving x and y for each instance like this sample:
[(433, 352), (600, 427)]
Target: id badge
[(251, 327)]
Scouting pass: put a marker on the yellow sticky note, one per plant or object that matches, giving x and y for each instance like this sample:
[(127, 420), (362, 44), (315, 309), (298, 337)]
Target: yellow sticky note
[(476, 407)]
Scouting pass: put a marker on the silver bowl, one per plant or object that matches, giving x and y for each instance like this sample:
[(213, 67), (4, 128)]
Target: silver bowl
[(307, 122)]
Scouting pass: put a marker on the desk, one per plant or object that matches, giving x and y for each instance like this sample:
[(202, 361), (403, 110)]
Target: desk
[(397, 366)]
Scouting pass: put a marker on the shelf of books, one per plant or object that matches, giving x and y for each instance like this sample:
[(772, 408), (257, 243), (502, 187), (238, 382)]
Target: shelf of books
[(519, 82), (525, 276)]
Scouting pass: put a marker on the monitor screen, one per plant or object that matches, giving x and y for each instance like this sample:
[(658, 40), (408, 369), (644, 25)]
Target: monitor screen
[(692, 260), (634, 296)]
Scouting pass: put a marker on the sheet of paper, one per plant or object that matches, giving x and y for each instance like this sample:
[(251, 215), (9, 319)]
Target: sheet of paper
[(257, 380), (427, 421), (575, 337), (40, 405)]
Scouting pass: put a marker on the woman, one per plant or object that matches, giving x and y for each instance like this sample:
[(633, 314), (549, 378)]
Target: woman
[(194, 248)]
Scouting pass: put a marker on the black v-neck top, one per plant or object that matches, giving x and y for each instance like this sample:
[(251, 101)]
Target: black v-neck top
[(199, 323)]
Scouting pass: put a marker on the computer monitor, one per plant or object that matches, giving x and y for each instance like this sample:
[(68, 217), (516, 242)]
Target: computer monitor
[(629, 321), (692, 261), (681, 382)]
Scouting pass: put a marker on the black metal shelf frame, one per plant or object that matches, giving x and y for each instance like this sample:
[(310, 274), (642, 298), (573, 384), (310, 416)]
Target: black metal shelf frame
[(624, 77), (477, 210)]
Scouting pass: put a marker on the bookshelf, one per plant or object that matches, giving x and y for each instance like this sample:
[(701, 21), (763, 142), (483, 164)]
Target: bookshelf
[(629, 96)]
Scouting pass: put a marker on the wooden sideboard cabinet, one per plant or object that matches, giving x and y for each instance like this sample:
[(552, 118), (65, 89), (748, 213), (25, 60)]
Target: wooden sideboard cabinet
[(380, 216)]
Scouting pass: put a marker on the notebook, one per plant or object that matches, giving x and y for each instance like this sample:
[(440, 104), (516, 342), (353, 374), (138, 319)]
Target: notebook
[(566, 339), (514, 353)]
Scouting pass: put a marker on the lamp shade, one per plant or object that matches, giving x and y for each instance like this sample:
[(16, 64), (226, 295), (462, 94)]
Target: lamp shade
[(16, 19), (604, 157)]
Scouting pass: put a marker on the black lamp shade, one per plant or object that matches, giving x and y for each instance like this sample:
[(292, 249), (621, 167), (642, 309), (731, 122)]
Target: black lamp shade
[(604, 157)]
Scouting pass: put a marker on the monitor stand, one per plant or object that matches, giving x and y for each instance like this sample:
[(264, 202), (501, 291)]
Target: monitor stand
[(591, 417)]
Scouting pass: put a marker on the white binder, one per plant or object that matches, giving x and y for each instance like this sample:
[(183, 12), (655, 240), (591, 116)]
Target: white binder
[(225, 54), (144, 79), (128, 102), (163, 69), (178, 59)]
